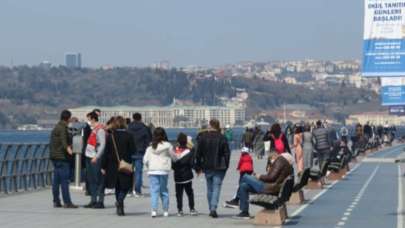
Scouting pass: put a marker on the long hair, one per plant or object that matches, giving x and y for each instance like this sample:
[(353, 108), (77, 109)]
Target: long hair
[(159, 135), (120, 122), (276, 130)]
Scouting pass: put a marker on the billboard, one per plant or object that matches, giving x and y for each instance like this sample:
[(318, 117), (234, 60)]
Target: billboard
[(384, 38), (392, 91), (397, 110)]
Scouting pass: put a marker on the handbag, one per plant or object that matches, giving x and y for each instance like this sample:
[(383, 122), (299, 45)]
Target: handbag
[(123, 166)]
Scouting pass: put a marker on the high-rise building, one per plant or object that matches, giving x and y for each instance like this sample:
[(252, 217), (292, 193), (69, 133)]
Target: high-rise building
[(73, 60)]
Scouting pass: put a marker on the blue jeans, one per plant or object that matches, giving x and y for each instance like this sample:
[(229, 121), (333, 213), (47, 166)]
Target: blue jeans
[(158, 187), (61, 175), (249, 184), (214, 182), (95, 180), (138, 166)]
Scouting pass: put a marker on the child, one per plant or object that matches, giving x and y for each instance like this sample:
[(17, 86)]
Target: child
[(245, 167), (183, 173)]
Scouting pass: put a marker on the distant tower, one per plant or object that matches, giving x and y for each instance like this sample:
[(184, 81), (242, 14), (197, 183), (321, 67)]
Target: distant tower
[(73, 60)]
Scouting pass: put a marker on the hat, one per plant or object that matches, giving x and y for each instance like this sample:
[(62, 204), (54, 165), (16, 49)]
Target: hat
[(190, 142), (288, 157), (245, 149)]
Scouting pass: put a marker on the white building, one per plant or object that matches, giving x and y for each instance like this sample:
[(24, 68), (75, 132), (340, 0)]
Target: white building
[(171, 116)]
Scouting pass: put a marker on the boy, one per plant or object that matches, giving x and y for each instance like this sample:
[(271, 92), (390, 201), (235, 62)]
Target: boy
[(245, 167)]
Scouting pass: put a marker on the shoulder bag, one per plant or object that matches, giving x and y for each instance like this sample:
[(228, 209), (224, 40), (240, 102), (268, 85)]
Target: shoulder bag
[(123, 166)]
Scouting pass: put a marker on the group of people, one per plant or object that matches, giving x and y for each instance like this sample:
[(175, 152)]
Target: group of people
[(109, 150)]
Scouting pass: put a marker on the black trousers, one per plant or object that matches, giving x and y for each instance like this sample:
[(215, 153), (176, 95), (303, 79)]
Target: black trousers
[(188, 188)]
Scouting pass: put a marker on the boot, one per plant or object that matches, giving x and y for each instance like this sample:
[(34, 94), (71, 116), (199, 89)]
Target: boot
[(120, 209)]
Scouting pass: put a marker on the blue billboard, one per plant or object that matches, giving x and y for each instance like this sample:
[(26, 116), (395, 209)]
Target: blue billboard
[(392, 95), (384, 38), (397, 110)]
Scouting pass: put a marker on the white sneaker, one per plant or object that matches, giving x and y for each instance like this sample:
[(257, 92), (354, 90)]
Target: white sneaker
[(154, 214), (165, 214)]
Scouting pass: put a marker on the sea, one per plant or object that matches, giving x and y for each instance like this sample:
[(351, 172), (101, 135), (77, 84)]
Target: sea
[(15, 136)]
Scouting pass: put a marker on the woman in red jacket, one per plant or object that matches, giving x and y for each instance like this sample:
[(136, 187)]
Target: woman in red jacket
[(245, 167)]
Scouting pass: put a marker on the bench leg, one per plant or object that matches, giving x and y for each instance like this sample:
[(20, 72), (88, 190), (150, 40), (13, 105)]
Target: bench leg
[(271, 217), (297, 198)]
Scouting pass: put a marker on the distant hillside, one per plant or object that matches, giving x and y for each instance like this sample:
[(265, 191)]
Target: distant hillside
[(28, 94)]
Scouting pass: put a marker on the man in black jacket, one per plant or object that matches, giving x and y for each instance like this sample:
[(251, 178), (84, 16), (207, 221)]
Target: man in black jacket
[(213, 157), (60, 151), (142, 138)]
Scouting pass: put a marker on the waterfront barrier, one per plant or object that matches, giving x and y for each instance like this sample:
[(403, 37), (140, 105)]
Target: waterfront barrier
[(24, 167)]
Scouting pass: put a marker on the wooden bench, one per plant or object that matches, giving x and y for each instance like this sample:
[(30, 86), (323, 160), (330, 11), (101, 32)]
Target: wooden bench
[(297, 197), (275, 211)]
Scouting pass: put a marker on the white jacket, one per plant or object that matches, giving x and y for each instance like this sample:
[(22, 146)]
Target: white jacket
[(159, 159)]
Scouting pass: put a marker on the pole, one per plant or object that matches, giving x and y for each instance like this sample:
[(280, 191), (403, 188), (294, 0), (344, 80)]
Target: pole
[(77, 151)]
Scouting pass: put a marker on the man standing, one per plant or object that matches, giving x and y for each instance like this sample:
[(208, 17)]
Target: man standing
[(213, 157), (59, 155), (142, 138), (94, 151), (322, 143)]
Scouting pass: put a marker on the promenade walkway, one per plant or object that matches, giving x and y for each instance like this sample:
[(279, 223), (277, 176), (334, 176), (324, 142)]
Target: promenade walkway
[(370, 196)]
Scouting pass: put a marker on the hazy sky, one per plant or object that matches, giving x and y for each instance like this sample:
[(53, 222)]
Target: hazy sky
[(198, 32)]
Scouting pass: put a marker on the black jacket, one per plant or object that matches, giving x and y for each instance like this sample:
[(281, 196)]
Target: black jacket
[(212, 151), (109, 161), (141, 136), (183, 166)]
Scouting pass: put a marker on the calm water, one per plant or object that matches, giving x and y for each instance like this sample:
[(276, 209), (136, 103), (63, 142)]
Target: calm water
[(43, 136)]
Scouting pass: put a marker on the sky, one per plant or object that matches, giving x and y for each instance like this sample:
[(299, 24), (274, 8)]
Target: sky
[(184, 32)]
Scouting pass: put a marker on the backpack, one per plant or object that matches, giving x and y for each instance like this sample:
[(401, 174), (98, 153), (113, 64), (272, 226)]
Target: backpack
[(278, 144)]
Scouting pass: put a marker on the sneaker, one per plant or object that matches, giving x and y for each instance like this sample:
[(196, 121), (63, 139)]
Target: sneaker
[(90, 205), (243, 215), (213, 214), (166, 214), (137, 194), (180, 214), (154, 214), (57, 205), (70, 206), (234, 203), (99, 205), (193, 212)]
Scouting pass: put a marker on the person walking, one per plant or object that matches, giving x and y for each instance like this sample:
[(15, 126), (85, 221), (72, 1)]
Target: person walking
[(94, 152), (158, 162), (142, 137), (307, 147), (278, 140), (212, 158), (321, 141), (60, 153), (119, 146), (298, 141), (183, 165), (258, 143)]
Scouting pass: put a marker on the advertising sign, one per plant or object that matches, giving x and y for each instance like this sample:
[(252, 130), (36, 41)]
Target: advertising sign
[(384, 38), (392, 91)]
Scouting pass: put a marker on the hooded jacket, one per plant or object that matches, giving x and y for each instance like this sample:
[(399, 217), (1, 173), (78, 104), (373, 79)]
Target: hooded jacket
[(183, 165), (142, 137), (159, 161)]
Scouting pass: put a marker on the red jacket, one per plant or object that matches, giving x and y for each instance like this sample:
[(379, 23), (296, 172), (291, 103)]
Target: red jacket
[(245, 163)]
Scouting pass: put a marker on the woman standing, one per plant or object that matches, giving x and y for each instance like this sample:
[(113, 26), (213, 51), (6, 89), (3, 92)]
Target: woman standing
[(158, 162), (298, 149), (278, 141), (119, 146), (307, 147)]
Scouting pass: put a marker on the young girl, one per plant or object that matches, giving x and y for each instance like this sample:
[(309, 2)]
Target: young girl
[(158, 162), (183, 173), (245, 167)]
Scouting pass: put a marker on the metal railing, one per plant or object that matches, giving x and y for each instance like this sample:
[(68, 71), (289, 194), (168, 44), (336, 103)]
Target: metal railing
[(24, 167)]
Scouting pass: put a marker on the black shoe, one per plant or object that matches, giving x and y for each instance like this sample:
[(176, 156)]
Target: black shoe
[(234, 203), (57, 205), (99, 205), (213, 214), (120, 209), (70, 206), (90, 205), (243, 215)]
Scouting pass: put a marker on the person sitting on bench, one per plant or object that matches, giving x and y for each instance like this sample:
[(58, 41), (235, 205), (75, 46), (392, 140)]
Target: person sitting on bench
[(270, 183)]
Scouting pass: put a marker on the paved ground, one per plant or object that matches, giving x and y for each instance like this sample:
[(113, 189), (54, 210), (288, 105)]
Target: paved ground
[(368, 197)]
